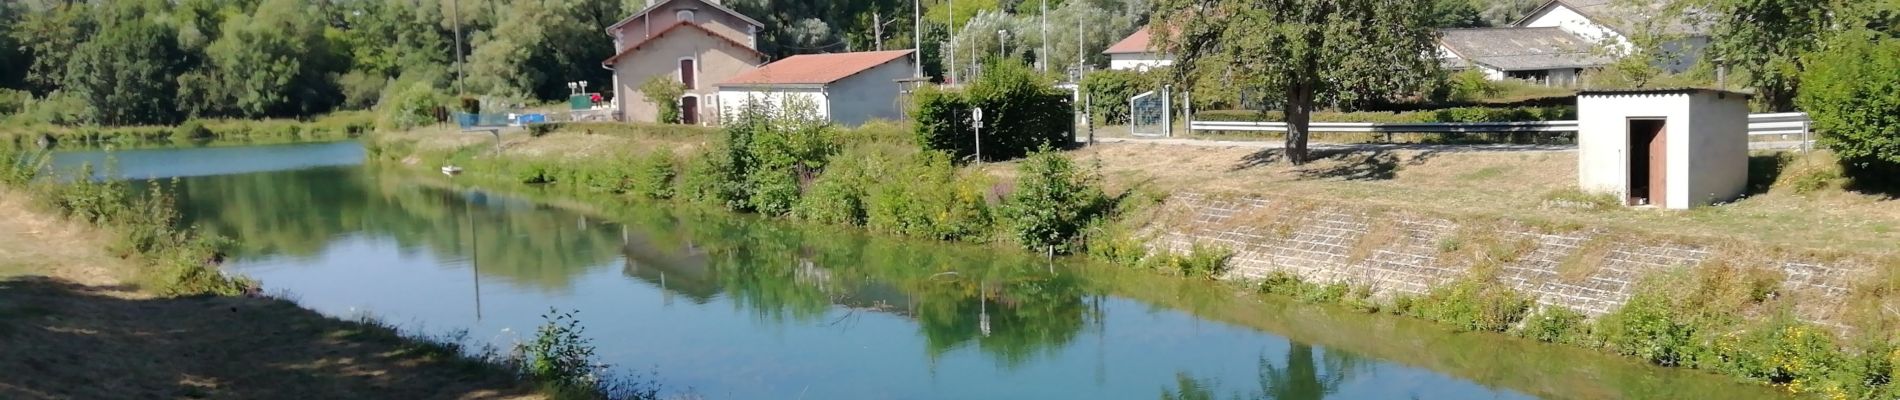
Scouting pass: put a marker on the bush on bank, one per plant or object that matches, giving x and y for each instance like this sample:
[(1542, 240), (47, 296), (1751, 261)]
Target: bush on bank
[(1022, 111)]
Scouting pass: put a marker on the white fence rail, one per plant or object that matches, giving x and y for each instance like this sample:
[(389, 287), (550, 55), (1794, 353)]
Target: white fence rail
[(1786, 126)]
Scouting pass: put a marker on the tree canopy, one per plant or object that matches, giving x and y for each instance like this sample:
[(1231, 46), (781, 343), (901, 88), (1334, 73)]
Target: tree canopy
[(1300, 54)]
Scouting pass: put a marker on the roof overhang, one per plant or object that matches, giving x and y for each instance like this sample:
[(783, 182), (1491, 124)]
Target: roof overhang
[(655, 5)]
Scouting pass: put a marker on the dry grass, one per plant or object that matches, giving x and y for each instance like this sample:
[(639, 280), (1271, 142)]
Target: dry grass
[(1587, 259), (1382, 232), (1510, 186)]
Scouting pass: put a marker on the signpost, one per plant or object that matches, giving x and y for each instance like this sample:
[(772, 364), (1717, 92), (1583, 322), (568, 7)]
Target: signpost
[(976, 118)]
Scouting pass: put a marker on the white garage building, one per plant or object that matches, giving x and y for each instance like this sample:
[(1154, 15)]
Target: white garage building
[(845, 88), (1670, 148)]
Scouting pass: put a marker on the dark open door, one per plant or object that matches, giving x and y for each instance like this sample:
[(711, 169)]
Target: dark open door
[(689, 110), (1648, 164)]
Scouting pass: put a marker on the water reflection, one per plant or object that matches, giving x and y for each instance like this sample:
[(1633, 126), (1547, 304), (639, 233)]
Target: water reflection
[(736, 307)]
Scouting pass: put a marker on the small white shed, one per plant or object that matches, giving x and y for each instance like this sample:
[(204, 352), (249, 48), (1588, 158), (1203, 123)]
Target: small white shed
[(1672, 148)]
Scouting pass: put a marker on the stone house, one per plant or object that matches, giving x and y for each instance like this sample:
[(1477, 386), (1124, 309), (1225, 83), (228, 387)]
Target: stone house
[(697, 42)]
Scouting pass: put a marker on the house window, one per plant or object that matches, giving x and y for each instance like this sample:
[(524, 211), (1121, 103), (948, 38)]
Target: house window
[(689, 73), (684, 15)]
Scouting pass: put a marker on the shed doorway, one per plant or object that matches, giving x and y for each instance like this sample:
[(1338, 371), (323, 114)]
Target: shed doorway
[(1648, 166)]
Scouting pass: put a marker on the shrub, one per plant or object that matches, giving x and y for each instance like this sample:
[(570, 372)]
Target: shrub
[(932, 200), (708, 176), (19, 167), (1054, 200), (1208, 261), (653, 175), (408, 106), (1784, 352), (191, 129), (13, 101), (839, 196), (1021, 113), (1473, 305), (1110, 90), (1649, 327), (560, 355), (1471, 85), (1556, 325), (1848, 89), (1115, 245), (786, 151), (664, 92)]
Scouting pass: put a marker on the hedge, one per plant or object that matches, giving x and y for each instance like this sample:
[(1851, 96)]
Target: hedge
[(1021, 113)]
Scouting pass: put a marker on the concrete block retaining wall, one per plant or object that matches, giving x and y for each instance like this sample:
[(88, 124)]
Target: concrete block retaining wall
[(1404, 254)]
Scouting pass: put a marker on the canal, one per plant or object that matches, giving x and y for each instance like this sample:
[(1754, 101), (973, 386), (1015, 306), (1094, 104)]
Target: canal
[(733, 307)]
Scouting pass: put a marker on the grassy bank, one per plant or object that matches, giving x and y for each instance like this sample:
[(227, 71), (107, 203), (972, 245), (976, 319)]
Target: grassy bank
[(337, 126), (1723, 317), (104, 295)]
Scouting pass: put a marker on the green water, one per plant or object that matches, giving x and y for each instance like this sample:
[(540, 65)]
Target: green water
[(733, 307)]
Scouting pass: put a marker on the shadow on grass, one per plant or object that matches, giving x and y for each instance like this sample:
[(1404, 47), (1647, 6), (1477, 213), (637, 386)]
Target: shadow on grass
[(1875, 179), (66, 340), (1342, 164)]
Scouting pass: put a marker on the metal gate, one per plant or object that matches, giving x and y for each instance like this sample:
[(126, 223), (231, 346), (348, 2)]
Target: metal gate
[(1148, 114)]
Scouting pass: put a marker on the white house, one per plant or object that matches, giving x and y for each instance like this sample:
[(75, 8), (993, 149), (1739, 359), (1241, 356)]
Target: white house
[(1670, 148), (845, 88), (1134, 53), (1561, 38)]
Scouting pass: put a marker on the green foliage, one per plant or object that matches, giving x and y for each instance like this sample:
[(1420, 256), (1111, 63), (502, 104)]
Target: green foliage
[(561, 355), (709, 177), (1765, 40), (1849, 90), (1650, 327), (1292, 286), (1470, 85), (1053, 202), (1366, 52), (1110, 90), (408, 105), (1456, 14), (785, 152), (191, 129), (1202, 260), (275, 62), (664, 92), (653, 175), (1021, 112), (932, 201), (1473, 305), (838, 197), (1556, 325), (1783, 352), (19, 167), (126, 73)]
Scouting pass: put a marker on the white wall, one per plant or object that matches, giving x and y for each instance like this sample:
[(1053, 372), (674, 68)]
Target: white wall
[(869, 95), (1707, 158), (806, 98), (1720, 148), (1563, 17), (1137, 61)]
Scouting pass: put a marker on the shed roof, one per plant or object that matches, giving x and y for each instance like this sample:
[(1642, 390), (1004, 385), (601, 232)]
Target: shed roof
[(1519, 49), (1658, 91), (1135, 43), (815, 69)]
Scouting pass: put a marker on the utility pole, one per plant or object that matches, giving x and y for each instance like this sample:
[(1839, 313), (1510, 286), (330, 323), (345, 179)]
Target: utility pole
[(951, 21), (1042, 58), (917, 37), (455, 8)]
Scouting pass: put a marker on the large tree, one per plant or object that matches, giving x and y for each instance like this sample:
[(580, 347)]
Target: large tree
[(1849, 90), (1301, 54), (276, 62), (1765, 40), (125, 73)]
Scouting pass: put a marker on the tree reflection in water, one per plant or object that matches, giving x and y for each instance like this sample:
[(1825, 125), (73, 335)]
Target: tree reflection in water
[(1307, 374)]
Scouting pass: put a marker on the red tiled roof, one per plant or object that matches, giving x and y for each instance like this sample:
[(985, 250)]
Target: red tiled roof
[(816, 69), (669, 29), (1135, 43)]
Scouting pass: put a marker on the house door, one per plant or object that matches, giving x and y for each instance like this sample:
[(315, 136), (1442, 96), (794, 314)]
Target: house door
[(1648, 164), (689, 110)]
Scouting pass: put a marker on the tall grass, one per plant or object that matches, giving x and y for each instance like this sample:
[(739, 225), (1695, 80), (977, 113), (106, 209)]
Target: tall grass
[(176, 260)]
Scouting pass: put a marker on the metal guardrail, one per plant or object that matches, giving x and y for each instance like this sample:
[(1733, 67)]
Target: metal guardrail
[(1783, 124)]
